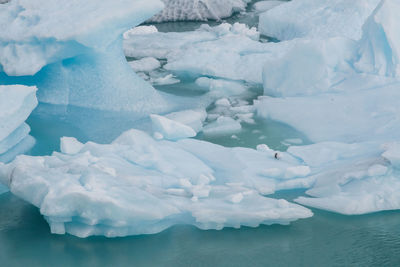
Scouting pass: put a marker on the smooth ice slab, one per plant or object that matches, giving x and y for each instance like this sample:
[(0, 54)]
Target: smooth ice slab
[(138, 185), (16, 104), (362, 109), (14, 138)]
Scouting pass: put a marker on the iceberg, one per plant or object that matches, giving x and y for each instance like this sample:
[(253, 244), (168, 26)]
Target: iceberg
[(16, 104), (317, 19), (73, 52), (139, 185), (344, 100), (354, 97), (202, 10)]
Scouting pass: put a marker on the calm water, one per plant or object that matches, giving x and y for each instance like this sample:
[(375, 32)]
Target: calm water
[(324, 240), (327, 239)]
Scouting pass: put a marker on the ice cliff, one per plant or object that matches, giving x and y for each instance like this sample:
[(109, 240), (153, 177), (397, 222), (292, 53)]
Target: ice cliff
[(73, 52), (16, 104)]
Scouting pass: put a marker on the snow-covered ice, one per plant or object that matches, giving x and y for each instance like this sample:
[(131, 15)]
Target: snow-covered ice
[(138, 185)]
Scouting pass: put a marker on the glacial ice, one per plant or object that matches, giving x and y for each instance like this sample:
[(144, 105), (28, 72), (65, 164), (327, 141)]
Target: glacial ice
[(139, 185), (317, 19), (263, 6), (164, 127), (50, 44), (348, 105), (225, 51), (352, 178), (183, 10), (16, 104)]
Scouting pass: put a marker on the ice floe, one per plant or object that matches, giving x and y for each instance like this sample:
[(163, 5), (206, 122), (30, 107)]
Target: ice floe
[(138, 185)]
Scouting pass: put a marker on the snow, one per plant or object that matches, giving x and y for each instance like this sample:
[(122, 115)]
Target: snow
[(190, 10), (137, 185)]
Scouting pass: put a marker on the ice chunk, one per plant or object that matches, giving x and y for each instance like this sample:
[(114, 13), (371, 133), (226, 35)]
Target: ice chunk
[(170, 129), (178, 10), (194, 118), (222, 87), (70, 145), (145, 64), (167, 79), (223, 125), (139, 30), (22, 147), (138, 185), (14, 138), (317, 19)]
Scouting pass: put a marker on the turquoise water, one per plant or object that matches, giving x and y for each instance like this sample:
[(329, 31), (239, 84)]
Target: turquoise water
[(326, 239)]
